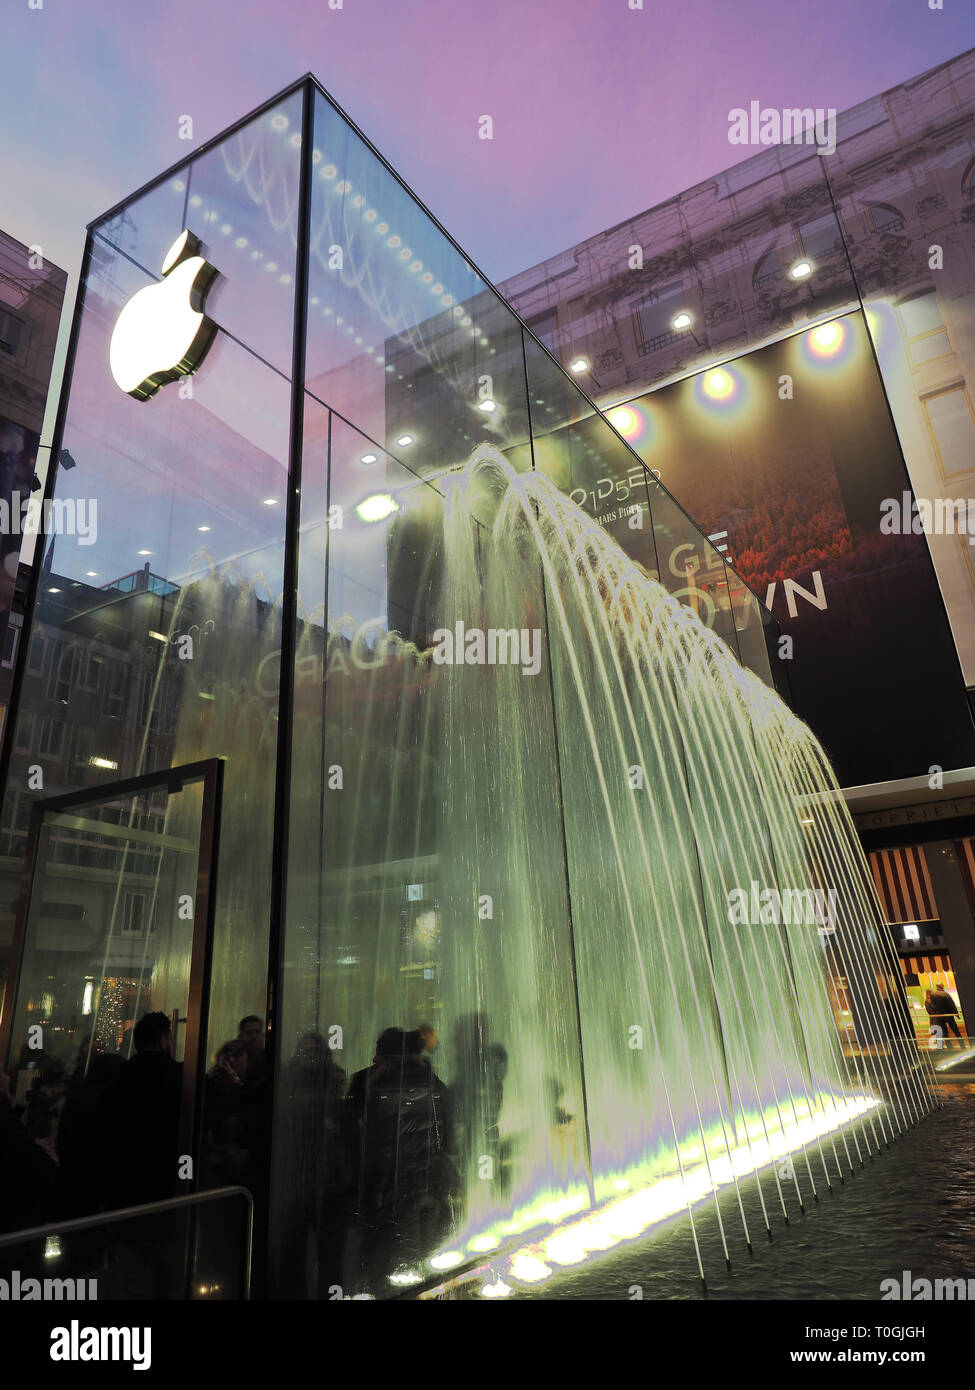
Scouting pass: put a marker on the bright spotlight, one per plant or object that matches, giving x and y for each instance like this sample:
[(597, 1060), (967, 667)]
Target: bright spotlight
[(826, 339), (377, 507), (801, 270), (719, 384)]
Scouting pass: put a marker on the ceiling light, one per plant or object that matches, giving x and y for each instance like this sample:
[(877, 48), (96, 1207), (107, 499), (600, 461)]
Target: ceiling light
[(377, 507), (579, 364), (405, 440), (488, 406), (801, 270), (368, 458), (680, 321)]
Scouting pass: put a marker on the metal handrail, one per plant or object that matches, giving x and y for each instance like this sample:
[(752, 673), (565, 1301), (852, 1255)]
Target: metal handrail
[(106, 1218)]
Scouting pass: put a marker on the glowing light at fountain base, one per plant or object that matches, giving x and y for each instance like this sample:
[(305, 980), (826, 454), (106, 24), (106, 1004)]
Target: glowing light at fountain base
[(624, 1219)]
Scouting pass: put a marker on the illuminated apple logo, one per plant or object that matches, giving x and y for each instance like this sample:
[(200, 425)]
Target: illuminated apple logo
[(162, 333)]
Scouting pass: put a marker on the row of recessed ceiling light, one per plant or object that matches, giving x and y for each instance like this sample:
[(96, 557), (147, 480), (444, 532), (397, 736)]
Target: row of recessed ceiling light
[(280, 123), (286, 278)]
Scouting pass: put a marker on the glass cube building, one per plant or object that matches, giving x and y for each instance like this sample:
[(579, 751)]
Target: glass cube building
[(337, 711)]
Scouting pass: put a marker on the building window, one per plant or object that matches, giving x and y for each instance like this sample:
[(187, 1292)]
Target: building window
[(52, 737), (11, 641), (767, 271), (884, 217), (37, 655), (90, 675), (11, 330), (135, 914), (820, 237), (545, 327), (951, 421), (652, 319), (62, 674), (15, 840), (927, 337), (24, 735), (968, 180), (115, 689), (79, 762)]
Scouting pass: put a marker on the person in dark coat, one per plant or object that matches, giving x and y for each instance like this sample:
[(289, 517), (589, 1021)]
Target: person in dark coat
[(139, 1117), (406, 1175), (30, 1187), (942, 1009)]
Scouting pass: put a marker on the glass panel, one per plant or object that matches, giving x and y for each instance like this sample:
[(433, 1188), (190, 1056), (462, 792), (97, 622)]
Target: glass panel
[(138, 235), (422, 850), (585, 459), (405, 340), (242, 200), (156, 636), (750, 619), (691, 569)]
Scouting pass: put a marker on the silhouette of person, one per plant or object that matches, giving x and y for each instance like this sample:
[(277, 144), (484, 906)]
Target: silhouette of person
[(479, 1068), (139, 1117), (251, 1032), (406, 1178), (314, 1121), (942, 1009), (30, 1189)]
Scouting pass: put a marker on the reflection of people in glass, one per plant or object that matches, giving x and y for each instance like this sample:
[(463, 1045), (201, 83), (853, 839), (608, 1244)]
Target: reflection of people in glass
[(251, 1034), (405, 1177), (232, 1121), (314, 1119), (479, 1068), (430, 1038), (139, 1115)]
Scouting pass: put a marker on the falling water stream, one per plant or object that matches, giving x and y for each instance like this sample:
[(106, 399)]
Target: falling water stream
[(538, 850), (600, 815)]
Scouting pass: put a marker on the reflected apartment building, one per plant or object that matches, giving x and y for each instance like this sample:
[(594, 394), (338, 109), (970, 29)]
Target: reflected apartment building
[(31, 299), (790, 346), (360, 715)]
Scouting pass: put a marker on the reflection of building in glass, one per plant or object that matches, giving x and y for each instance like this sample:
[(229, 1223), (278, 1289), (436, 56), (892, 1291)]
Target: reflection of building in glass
[(31, 296), (792, 478), (419, 701)]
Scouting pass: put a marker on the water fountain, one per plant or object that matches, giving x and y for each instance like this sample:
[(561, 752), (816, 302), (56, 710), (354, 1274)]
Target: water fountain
[(658, 1048), (655, 956)]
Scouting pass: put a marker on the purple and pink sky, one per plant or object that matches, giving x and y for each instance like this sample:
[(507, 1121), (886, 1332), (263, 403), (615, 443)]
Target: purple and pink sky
[(599, 110)]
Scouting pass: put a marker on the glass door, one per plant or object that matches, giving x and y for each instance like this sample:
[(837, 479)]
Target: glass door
[(114, 922)]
